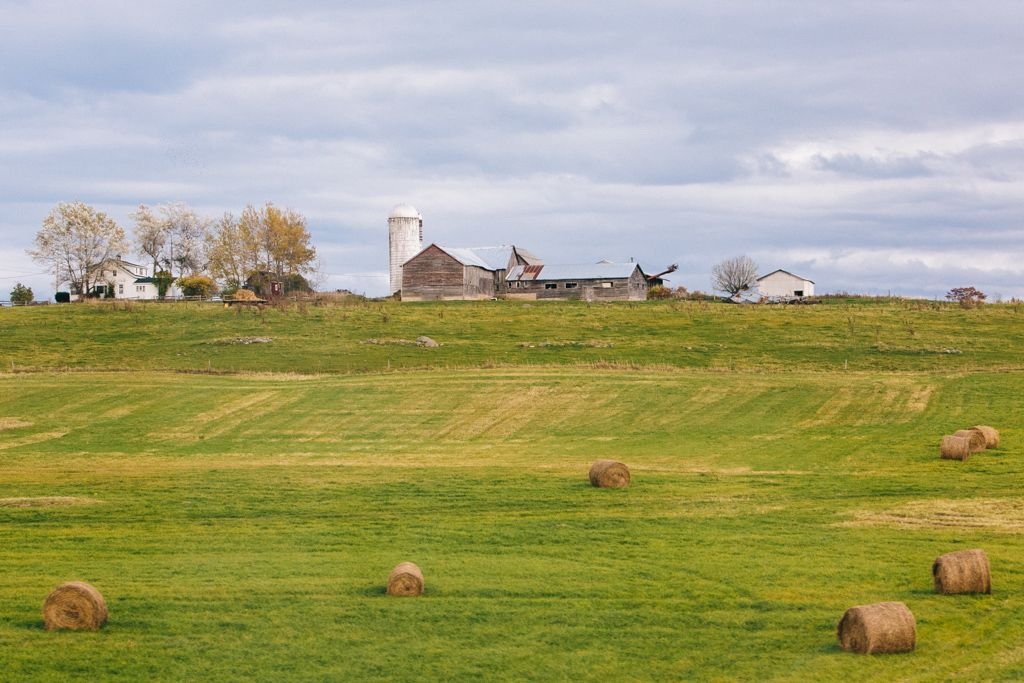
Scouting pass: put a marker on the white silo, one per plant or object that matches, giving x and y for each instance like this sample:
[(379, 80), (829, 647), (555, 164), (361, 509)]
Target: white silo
[(405, 240)]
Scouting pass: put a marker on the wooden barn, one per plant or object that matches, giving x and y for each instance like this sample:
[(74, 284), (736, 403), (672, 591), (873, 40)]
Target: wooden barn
[(591, 282), (448, 273)]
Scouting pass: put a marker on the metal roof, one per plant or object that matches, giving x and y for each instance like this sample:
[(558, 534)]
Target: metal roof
[(489, 258), (780, 270), (573, 271)]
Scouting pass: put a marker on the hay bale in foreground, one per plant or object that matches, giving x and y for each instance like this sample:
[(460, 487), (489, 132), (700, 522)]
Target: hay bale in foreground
[(991, 435), (609, 474), (955, 448), (975, 436), (75, 605), (882, 628), (405, 580), (965, 571)]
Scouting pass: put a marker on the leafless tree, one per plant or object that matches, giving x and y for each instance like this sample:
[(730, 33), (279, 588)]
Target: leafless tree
[(734, 275), (75, 239)]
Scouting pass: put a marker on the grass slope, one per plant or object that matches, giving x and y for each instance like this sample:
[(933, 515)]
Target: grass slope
[(373, 336), (242, 526)]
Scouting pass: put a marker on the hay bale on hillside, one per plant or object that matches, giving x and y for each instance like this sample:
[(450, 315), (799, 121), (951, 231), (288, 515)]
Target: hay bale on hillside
[(955, 448), (885, 627), (991, 435), (975, 436), (75, 605), (405, 580), (609, 474), (965, 571)]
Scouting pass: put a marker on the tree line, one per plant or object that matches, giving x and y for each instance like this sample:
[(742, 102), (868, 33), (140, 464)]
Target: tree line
[(263, 244)]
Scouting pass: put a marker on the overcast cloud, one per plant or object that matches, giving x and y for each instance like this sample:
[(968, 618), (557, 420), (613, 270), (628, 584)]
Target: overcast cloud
[(872, 147)]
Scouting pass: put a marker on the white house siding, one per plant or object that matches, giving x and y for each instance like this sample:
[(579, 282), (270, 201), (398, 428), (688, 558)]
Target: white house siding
[(783, 284)]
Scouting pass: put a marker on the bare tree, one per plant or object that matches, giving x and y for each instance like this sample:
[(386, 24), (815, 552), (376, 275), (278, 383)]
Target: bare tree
[(734, 275), (151, 236), (187, 231), (74, 241)]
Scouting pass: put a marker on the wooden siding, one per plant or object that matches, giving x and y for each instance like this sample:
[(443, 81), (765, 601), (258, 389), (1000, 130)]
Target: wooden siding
[(434, 275), (633, 288)]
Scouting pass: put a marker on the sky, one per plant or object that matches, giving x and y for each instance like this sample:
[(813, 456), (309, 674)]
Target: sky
[(872, 147)]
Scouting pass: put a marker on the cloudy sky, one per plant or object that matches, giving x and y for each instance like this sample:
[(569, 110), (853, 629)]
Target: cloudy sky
[(872, 147)]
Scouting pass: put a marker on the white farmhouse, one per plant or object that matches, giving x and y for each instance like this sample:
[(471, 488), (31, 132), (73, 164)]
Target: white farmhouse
[(781, 284), (122, 280)]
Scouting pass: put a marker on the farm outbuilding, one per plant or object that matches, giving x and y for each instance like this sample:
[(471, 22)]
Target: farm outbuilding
[(461, 273), (781, 284), (591, 282)]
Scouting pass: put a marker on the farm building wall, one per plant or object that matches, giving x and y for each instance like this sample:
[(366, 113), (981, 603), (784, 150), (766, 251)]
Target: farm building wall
[(633, 288), (433, 275), (783, 284)]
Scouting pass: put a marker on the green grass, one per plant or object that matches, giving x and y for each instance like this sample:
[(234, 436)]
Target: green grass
[(242, 526), (367, 337)]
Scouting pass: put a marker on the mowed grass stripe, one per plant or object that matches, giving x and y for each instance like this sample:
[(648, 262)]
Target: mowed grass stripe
[(760, 509)]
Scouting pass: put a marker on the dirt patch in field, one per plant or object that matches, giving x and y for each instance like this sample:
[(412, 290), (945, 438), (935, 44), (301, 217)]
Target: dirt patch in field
[(13, 423), (997, 514), (46, 502)]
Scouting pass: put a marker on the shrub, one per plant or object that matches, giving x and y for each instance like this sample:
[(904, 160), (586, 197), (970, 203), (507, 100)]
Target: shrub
[(659, 292), (967, 297), (196, 285), (21, 295), (62, 297)]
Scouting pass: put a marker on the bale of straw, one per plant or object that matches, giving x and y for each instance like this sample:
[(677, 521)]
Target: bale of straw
[(884, 627), (244, 295), (991, 435), (75, 605), (975, 436), (955, 448), (405, 580), (609, 474), (965, 571)]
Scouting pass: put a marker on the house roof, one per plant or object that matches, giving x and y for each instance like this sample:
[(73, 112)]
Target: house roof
[(573, 271), (780, 270), (114, 259)]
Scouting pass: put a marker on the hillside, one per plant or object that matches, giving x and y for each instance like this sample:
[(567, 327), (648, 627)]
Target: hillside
[(375, 336), (241, 525)]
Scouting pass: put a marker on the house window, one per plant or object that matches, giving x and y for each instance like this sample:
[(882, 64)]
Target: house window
[(120, 289), (570, 285), (606, 285), (550, 285), (798, 292)]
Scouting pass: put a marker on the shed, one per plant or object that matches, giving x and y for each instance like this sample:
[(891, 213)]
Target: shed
[(590, 281), (781, 284)]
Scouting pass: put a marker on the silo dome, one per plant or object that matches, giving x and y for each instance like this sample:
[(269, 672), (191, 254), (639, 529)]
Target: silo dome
[(404, 211)]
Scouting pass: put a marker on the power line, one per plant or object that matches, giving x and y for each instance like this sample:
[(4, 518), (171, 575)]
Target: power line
[(15, 277)]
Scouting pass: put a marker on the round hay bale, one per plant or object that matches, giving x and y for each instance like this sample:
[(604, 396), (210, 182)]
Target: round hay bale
[(75, 605), (405, 580), (609, 474), (955, 448), (975, 436), (885, 627), (991, 435), (965, 571)]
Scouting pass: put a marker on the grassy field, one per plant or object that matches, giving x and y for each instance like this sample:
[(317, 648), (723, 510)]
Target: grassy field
[(241, 526)]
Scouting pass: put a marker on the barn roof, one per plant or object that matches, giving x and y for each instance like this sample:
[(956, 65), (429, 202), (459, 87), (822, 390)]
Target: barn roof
[(489, 258), (573, 271), (780, 270)]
